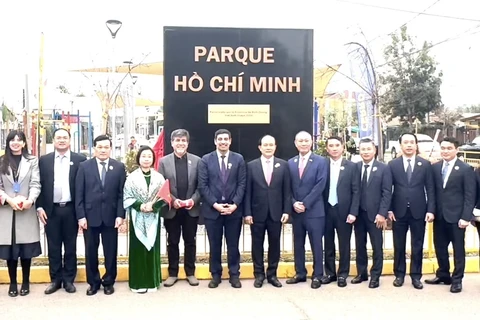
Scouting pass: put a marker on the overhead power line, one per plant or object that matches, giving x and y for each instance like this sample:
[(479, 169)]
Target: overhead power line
[(410, 11)]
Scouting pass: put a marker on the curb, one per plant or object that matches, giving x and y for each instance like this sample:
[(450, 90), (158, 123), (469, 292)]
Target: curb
[(40, 274)]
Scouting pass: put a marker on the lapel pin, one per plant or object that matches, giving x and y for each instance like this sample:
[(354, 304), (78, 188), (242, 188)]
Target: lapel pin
[(229, 166), (456, 168), (310, 160), (277, 165), (295, 160), (190, 162), (342, 168), (71, 163), (111, 168), (374, 169), (419, 163)]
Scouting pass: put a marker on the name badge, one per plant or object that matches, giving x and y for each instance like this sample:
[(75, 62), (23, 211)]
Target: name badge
[(16, 187)]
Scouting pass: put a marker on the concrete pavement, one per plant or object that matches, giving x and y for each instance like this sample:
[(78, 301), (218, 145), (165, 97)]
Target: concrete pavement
[(292, 302)]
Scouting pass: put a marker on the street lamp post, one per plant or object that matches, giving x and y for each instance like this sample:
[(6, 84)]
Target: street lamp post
[(113, 27)]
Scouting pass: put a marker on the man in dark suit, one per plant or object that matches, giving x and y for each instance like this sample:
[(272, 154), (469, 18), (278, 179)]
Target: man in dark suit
[(413, 204), (180, 168), (221, 180), (375, 198), (455, 188), (267, 207), (341, 202), (99, 206), (56, 210), (308, 173)]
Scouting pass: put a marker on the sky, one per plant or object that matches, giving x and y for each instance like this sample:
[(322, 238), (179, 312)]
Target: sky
[(76, 36)]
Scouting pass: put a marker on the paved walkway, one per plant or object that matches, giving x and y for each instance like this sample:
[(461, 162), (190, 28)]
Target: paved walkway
[(294, 302)]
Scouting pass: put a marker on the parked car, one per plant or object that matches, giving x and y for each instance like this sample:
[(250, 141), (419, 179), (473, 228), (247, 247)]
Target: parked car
[(470, 150), (425, 146)]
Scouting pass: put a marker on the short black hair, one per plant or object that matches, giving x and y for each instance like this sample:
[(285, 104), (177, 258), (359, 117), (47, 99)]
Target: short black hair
[(451, 140), (59, 129), (409, 134), (102, 137), (335, 138), (222, 131), (145, 148), (367, 140)]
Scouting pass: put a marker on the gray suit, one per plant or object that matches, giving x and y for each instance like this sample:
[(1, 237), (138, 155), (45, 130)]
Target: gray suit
[(167, 169), (27, 228), (181, 222)]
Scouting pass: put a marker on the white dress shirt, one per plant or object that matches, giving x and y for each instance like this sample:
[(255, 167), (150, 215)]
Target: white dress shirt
[(405, 162), (334, 174), (219, 156), (305, 158), (369, 169), (61, 177), (267, 167), (100, 167)]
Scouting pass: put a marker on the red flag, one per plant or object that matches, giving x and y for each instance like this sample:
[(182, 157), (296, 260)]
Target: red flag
[(158, 148), (164, 193)]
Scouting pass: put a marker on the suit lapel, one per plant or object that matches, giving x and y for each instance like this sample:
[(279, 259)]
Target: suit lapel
[(341, 173), (23, 169), (171, 166), (307, 165), (373, 171), (259, 171), (95, 169), (189, 169), (401, 168), (453, 173), (228, 165)]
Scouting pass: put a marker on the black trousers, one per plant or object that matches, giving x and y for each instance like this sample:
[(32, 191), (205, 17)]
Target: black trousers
[(445, 233), (417, 236), (274, 230), (110, 247), (344, 232), (363, 226), (62, 229), (182, 224)]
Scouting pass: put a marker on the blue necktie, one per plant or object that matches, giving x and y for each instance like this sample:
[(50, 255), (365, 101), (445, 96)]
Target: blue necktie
[(104, 172), (444, 172), (332, 195)]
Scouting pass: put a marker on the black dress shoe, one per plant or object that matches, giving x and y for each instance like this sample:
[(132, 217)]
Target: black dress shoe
[(214, 283), (342, 282), (92, 291), (275, 282), (258, 283), (456, 288), (69, 287), (438, 280), (417, 284), (108, 290), (374, 284), (25, 289), (398, 282), (52, 288), (235, 283), (358, 279), (295, 280), (316, 283), (13, 290), (328, 279)]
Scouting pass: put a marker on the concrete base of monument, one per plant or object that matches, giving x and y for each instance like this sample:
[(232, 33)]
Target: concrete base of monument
[(40, 274)]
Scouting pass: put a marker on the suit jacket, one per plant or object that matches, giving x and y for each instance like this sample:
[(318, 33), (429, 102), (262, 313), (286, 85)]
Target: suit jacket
[(457, 200), (167, 169), (211, 186), (46, 165), (310, 187), (96, 203), (348, 189), (379, 189), (419, 193), (263, 200), (27, 228)]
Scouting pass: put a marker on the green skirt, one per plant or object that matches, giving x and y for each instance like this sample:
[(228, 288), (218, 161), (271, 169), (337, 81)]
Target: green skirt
[(144, 268)]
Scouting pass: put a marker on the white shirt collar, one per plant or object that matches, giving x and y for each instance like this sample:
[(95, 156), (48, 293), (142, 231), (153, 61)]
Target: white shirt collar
[(451, 162), (369, 163), (307, 156), (106, 161), (219, 155), (336, 162), (66, 155)]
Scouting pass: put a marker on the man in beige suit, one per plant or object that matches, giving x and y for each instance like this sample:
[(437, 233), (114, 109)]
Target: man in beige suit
[(180, 168)]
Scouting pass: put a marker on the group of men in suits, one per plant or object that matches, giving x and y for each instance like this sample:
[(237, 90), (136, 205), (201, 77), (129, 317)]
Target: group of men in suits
[(410, 192), (81, 193), (319, 196)]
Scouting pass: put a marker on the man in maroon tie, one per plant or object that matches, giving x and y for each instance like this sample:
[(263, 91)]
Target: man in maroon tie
[(267, 207)]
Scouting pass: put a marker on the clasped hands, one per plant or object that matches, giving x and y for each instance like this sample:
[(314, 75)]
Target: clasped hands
[(147, 207), (19, 203), (249, 219), (225, 208), (187, 204)]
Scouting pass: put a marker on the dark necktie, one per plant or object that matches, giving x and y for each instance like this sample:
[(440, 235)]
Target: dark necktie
[(409, 170), (223, 169), (363, 196), (104, 172)]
